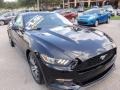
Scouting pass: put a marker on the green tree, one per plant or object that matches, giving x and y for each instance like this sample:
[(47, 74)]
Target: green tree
[(51, 3), (1, 3), (10, 5), (43, 3), (27, 3)]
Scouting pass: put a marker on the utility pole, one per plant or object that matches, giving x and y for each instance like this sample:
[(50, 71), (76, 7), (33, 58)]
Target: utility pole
[(63, 4), (68, 3), (38, 5), (89, 2), (75, 3)]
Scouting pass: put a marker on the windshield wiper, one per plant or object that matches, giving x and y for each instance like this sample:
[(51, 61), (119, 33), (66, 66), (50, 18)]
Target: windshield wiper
[(67, 25), (74, 27), (31, 29), (37, 28)]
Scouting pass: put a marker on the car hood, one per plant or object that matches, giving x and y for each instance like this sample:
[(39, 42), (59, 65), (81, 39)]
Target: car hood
[(75, 42), (86, 16)]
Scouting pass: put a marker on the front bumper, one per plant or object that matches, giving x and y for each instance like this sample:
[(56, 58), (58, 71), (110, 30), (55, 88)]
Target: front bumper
[(86, 22), (73, 86), (74, 80)]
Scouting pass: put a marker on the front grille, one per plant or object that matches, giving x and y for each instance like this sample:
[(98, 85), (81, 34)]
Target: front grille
[(81, 22), (84, 83), (95, 61)]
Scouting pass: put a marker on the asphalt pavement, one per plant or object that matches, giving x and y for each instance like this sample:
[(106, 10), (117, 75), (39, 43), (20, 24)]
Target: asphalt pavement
[(15, 73)]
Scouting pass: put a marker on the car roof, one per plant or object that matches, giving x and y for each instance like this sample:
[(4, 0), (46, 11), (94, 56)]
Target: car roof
[(93, 9), (35, 12)]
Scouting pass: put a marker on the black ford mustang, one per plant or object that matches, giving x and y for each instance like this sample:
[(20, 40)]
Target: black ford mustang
[(61, 55)]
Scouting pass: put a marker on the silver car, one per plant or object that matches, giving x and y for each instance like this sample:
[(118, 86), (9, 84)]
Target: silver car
[(118, 11), (110, 9)]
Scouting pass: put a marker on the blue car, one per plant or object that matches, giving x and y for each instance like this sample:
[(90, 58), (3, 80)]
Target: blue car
[(94, 17)]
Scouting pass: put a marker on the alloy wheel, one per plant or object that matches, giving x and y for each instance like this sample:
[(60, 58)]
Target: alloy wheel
[(34, 68), (2, 23), (108, 21), (11, 42), (96, 23)]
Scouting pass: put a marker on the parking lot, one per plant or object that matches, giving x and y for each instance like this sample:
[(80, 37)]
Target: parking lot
[(15, 73)]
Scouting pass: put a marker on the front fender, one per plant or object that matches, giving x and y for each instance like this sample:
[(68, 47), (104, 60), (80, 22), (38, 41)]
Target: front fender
[(37, 46)]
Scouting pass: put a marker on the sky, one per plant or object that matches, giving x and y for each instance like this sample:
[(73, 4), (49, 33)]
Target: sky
[(10, 0)]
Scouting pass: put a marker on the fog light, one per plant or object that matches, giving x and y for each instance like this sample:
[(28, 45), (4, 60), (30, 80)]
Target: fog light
[(64, 80)]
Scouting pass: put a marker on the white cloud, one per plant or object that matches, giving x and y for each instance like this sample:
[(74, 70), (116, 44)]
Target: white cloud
[(10, 0)]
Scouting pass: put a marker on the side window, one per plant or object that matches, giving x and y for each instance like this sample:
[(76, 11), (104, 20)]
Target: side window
[(101, 11), (7, 15), (19, 21)]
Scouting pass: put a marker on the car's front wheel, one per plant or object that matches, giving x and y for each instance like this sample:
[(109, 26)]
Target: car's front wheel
[(35, 68), (96, 23), (108, 20), (12, 44)]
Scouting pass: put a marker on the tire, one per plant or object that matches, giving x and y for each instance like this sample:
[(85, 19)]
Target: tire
[(96, 23), (108, 21), (12, 44), (35, 68), (73, 20), (2, 23)]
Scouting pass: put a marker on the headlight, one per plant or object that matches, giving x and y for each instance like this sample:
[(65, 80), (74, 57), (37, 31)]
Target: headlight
[(92, 17), (54, 61)]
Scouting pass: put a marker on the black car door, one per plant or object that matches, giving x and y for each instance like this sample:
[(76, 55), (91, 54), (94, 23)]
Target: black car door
[(18, 32)]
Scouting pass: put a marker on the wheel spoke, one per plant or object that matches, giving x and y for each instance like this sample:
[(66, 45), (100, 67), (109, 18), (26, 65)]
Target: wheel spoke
[(34, 68)]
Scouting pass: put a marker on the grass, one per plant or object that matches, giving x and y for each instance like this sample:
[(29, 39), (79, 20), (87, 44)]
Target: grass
[(115, 18)]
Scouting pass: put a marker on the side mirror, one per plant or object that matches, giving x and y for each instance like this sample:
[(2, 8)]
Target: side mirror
[(15, 28)]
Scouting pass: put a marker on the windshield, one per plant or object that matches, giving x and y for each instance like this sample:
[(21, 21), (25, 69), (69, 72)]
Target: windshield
[(107, 7), (2, 13), (72, 10), (91, 11), (51, 19)]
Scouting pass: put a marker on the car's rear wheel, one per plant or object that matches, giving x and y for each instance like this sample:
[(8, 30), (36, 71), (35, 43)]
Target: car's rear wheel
[(2, 23), (108, 20), (96, 23), (35, 68)]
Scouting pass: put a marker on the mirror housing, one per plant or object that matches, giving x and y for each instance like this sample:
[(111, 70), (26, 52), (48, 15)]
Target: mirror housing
[(15, 28)]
